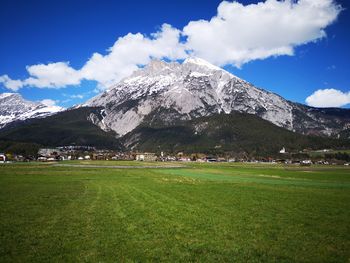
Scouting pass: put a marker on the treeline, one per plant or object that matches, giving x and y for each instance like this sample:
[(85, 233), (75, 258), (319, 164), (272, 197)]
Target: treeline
[(343, 156), (19, 148), (70, 127), (237, 134)]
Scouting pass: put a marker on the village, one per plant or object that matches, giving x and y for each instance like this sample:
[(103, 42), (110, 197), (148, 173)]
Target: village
[(67, 153), (89, 153)]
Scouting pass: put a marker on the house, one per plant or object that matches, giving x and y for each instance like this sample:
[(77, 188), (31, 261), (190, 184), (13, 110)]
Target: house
[(19, 158), (2, 158), (283, 150), (148, 157), (180, 154), (99, 156), (305, 162), (48, 152), (211, 159), (184, 159)]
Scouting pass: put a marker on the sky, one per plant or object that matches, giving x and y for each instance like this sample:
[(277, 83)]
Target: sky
[(65, 52)]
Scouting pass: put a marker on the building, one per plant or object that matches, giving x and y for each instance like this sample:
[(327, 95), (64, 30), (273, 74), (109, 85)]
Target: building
[(148, 157), (2, 158), (305, 162), (48, 152), (283, 150)]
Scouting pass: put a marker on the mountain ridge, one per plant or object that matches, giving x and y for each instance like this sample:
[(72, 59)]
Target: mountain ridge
[(14, 108), (196, 88), (164, 99), (230, 134)]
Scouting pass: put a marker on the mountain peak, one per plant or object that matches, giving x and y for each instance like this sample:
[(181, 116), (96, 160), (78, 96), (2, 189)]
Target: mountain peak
[(201, 62), (156, 64), (13, 107), (8, 94), (153, 68), (160, 68), (201, 66)]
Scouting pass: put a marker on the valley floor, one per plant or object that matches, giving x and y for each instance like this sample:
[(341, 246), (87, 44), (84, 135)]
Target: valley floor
[(200, 212)]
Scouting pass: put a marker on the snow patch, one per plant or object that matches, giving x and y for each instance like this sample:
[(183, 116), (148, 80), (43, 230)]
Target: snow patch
[(197, 74), (201, 62)]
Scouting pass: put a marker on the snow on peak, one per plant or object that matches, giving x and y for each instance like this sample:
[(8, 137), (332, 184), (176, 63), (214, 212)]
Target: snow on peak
[(52, 109), (14, 108), (202, 66), (201, 62), (156, 64), (197, 74), (7, 94)]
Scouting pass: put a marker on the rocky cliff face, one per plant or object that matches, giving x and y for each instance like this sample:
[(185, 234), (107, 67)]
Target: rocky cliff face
[(196, 88)]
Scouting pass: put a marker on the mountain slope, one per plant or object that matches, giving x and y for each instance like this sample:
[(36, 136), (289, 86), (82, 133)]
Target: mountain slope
[(196, 88), (13, 108), (219, 133), (236, 132), (71, 127)]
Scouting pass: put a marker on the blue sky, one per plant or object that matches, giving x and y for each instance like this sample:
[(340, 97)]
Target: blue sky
[(48, 32)]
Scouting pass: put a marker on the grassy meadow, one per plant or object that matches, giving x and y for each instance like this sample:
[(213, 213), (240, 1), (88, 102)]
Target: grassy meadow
[(200, 212)]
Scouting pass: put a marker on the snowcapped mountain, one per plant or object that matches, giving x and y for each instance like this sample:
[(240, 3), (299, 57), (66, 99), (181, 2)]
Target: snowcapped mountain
[(14, 108), (173, 91), (164, 93), (193, 106)]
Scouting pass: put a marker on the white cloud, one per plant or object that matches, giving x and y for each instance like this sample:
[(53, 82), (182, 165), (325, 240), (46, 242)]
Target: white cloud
[(120, 61), (236, 35), (77, 96), (328, 98), (52, 75), (239, 34), (11, 83), (48, 102), (130, 51)]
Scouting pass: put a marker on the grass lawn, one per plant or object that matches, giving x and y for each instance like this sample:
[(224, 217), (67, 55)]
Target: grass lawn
[(202, 212)]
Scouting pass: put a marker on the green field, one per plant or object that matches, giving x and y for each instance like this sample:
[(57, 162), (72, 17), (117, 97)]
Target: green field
[(200, 212)]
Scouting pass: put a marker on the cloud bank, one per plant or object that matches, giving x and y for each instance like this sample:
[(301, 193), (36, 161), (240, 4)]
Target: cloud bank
[(236, 35), (328, 98), (239, 34)]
